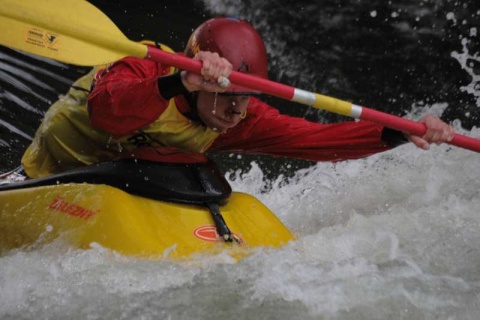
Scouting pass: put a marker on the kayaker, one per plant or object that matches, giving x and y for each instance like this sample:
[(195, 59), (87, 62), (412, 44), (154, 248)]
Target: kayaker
[(137, 106)]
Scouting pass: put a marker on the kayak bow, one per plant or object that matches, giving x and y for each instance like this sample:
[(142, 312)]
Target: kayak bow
[(173, 223)]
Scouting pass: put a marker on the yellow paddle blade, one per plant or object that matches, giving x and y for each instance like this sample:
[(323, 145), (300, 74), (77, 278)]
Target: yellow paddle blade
[(72, 31)]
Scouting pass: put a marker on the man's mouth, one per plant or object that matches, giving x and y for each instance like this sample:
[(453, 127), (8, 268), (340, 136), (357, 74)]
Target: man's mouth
[(229, 122), (222, 125)]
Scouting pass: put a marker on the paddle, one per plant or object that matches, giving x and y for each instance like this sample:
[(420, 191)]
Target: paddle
[(78, 33)]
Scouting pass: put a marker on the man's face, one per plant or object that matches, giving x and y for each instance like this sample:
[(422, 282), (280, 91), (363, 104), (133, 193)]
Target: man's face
[(222, 114)]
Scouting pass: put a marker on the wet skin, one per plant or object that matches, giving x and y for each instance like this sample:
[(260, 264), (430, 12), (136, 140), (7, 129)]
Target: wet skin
[(221, 112)]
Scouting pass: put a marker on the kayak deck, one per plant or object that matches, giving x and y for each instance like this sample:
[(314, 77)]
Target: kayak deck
[(83, 214)]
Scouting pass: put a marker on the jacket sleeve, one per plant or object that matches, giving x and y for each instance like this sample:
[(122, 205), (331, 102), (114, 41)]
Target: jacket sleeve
[(126, 96), (266, 131)]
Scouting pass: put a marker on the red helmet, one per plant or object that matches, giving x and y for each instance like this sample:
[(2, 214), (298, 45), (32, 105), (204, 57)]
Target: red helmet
[(235, 40)]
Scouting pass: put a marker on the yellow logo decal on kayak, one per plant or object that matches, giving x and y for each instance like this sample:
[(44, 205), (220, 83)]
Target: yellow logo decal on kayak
[(61, 205), (209, 233)]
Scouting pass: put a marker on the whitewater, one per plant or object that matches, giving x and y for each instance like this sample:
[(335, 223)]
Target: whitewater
[(392, 236)]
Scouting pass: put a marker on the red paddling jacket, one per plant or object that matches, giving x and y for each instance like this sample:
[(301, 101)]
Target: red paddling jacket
[(138, 103)]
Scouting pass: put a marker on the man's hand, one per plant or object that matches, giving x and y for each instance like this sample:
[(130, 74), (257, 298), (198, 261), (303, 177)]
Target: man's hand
[(437, 132), (215, 73)]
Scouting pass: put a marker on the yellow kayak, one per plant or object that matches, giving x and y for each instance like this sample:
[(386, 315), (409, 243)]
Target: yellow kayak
[(142, 209)]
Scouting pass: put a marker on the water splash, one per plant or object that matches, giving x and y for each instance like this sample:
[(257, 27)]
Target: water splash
[(469, 62)]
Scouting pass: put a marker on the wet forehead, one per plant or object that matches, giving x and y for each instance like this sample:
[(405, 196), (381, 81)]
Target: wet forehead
[(233, 98)]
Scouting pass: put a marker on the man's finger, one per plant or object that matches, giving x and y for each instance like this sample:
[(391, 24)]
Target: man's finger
[(223, 82), (419, 142)]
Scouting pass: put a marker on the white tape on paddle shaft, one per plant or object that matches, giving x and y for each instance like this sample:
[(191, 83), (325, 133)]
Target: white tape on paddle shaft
[(329, 104), (303, 97), (356, 111)]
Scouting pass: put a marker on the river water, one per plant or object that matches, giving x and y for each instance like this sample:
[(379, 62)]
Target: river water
[(393, 236)]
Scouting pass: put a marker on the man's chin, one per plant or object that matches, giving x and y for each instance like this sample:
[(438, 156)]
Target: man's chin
[(218, 129)]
